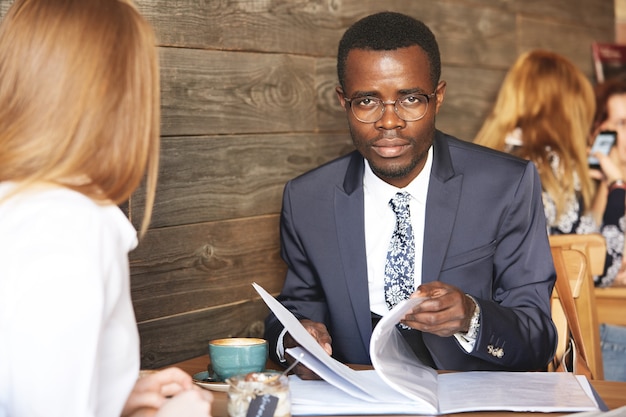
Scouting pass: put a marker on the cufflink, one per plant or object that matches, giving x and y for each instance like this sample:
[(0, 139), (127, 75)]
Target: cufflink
[(498, 352)]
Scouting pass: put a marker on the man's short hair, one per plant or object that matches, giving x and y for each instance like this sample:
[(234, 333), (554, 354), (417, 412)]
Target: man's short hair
[(387, 31)]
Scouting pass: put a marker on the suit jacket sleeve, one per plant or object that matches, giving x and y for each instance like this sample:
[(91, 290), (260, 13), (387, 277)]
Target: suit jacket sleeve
[(300, 280), (323, 244), (511, 277)]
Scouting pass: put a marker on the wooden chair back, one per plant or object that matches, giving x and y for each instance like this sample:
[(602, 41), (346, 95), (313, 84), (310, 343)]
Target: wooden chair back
[(592, 245), (577, 272)]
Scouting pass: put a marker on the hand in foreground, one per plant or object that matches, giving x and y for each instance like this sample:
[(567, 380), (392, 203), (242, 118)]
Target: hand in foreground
[(446, 311), (191, 403), (149, 396), (320, 334)]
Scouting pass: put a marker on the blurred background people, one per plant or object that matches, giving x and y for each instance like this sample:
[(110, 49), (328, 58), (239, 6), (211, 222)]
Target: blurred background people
[(79, 129), (544, 112), (611, 116)]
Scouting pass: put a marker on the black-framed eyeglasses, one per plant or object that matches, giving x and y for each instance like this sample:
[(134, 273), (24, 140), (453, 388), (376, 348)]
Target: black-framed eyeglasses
[(410, 107)]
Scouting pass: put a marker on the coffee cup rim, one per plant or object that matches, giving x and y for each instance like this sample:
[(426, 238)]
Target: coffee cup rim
[(237, 341)]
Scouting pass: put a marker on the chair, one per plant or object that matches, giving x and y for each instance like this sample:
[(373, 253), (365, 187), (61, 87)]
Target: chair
[(577, 258), (592, 245)]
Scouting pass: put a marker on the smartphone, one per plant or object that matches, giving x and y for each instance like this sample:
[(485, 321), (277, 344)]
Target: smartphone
[(603, 143)]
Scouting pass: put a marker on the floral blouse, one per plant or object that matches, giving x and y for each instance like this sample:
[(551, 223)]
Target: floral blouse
[(573, 220)]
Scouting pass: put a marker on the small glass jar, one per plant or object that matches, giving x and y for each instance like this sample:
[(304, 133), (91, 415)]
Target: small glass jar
[(245, 388)]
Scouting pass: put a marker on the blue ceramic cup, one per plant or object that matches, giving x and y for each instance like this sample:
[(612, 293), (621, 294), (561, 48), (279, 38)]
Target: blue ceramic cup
[(237, 355)]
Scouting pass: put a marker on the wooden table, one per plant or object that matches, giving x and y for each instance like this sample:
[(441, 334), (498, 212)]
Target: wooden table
[(611, 305), (613, 393)]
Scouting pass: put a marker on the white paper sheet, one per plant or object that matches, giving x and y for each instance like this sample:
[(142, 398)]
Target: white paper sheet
[(400, 384), (395, 361), (314, 356)]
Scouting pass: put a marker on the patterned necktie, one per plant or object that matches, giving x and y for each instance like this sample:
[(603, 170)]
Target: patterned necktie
[(399, 281)]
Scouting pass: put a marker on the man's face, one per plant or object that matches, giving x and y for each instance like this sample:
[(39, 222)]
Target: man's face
[(396, 149)]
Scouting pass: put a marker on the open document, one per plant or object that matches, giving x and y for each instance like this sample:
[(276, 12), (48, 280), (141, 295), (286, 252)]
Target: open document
[(401, 384)]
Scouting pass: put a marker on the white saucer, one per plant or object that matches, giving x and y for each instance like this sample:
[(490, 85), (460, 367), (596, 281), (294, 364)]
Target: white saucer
[(205, 381)]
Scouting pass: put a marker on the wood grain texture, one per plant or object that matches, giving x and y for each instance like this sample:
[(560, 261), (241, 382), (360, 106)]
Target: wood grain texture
[(470, 94), (467, 34), (330, 115), (192, 284), (188, 268), (574, 42), (212, 92), (470, 37), (171, 339), (213, 178), (586, 14), (314, 27), (309, 27)]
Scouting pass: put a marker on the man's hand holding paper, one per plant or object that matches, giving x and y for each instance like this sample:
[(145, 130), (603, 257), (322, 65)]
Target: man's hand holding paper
[(320, 334), (445, 311)]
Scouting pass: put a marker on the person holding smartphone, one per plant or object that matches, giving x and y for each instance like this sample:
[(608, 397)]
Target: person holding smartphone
[(611, 116), (603, 143), (544, 113)]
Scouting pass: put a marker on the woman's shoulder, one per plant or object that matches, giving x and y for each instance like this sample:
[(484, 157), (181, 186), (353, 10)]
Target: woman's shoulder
[(61, 211), (46, 201)]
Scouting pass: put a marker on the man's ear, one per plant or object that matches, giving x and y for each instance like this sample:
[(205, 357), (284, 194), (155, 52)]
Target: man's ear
[(441, 92), (341, 96)]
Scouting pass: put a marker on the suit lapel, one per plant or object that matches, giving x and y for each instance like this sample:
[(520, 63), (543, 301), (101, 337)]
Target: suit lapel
[(442, 204), (351, 240)]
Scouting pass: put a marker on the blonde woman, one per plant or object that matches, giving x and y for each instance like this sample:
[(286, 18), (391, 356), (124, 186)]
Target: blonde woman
[(544, 113), (79, 129)]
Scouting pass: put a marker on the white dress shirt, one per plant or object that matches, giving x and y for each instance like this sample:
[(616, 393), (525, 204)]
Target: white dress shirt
[(380, 221)]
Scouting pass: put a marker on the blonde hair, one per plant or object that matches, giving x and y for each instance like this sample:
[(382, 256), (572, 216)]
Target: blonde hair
[(79, 98), (553, 104)]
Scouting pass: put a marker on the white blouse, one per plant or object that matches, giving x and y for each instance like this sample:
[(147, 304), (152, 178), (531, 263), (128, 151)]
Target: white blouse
[(69, 345)]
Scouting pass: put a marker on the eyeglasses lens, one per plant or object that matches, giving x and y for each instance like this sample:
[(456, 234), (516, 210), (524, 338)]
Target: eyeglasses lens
[(409, 108)]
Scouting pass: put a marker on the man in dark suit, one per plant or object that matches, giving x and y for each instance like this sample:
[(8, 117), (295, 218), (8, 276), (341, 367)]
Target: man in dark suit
[(471, 236)]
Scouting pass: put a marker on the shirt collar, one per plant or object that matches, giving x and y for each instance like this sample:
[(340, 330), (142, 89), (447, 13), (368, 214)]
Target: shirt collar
[(418, 188)]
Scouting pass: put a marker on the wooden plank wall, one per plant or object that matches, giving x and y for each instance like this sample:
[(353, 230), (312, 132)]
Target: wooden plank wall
[(248, 102)]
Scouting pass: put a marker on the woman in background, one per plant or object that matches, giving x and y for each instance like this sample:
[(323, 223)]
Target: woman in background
[(611, 115), (544, 113), (79, 128)]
